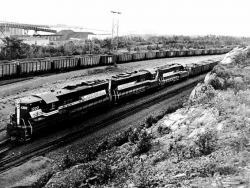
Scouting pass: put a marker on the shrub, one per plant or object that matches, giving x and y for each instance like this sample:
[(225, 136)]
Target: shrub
[(178, 149), (103, 146), (150, 121), (67, 162), (206, 142), (160, 129), (91, 155), (164, 130), (135, 134), (144, 144), (97, 173), (121, 138)]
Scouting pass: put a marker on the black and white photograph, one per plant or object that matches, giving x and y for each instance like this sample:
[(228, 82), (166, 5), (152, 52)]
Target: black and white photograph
[(125, 94)]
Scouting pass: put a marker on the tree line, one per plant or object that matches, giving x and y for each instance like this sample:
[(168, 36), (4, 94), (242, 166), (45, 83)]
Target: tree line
[(14, 48)]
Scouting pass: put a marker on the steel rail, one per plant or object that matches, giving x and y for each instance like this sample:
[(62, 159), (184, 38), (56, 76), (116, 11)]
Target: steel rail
[(12, 81)]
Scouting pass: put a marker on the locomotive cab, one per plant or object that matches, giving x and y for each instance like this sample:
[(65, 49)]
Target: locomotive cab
[(30, 111)]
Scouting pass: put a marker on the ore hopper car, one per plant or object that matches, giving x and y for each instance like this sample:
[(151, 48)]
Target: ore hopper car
[(7, 68)]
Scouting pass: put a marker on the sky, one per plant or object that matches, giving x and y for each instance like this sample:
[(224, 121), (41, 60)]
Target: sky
[(159, 17)]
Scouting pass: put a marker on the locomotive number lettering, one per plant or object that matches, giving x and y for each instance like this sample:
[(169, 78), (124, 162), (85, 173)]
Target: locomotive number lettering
[(35, 108)]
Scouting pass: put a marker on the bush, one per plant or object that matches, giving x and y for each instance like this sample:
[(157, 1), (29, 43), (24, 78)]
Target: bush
[(144, 144), (98, 173), (150, 121), (134, 134), (91, 155), (164, 130), (121, 138), (206, 142), (67, 162), (103, 146)]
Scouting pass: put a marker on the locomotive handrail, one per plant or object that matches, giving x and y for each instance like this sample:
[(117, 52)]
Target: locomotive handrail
[(31, 129), (24, 124)]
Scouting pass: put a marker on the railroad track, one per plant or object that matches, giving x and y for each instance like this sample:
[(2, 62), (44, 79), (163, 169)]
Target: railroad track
[(15, 80), (5, 146), (12, 161)]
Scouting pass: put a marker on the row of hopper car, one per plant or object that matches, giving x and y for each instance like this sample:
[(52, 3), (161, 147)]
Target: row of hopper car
[(57, 107), (23, 67)]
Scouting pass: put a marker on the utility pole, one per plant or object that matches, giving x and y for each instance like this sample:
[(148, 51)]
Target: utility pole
[(113, 30)]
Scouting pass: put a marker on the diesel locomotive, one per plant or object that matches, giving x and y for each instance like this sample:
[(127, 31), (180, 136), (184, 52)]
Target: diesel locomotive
[(35, 112)]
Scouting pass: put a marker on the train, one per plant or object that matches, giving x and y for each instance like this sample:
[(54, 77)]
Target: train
[(26, 67), (38, 111)]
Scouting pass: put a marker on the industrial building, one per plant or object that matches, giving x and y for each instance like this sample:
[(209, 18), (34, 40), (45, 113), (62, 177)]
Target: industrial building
[(19, 30), (40, 41)]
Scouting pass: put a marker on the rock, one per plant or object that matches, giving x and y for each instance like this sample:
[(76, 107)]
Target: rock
[(131, 185), (210, 76), (220, 126), (169, 185), (201, 92), (143, 157), (168, 123), (196, 132), (238, 80), (194, 186), (192, 175), (231, 182), (215, 81), (176, 117), (179, 176)]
